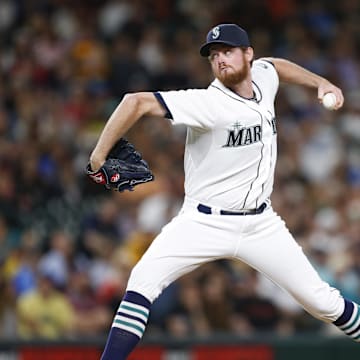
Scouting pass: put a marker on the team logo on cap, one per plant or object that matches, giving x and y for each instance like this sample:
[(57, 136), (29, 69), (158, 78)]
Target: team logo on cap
[(215, 33)]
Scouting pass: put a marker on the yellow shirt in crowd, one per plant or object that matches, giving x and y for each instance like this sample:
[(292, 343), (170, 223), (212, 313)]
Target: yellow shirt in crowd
[(47, 317)]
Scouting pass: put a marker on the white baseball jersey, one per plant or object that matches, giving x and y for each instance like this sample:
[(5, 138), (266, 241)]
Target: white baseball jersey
[(230, 150)]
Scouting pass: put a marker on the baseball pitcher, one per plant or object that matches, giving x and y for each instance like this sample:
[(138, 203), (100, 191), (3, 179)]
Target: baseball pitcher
[(229, 162)]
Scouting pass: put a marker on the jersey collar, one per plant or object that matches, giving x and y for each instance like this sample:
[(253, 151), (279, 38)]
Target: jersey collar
[(257, 94)]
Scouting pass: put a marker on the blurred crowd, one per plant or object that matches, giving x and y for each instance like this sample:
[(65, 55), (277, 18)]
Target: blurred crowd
[(67, 246)]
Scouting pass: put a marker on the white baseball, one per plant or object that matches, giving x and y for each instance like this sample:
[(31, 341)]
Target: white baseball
[(329, 101)]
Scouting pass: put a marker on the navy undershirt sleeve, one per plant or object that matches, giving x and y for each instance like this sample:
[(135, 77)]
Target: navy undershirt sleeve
[(269, 62), (162, 102)]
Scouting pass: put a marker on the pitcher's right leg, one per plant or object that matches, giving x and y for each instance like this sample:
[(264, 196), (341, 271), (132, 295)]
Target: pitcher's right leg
[(272, 250)]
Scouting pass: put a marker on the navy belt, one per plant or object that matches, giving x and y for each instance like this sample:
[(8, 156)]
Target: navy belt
[(207, 210)]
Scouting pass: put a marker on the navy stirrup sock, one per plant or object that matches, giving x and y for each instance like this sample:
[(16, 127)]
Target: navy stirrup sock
[(128, 326), (349, 321)]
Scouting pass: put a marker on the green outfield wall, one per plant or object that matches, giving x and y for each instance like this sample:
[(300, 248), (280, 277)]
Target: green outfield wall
[(221, 347)]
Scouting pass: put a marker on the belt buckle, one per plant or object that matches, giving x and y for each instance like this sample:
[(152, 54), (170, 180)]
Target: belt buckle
[(208, 210), (242, 212)]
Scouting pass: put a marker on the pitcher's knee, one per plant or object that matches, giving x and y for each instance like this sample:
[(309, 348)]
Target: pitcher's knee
[(143, 281)]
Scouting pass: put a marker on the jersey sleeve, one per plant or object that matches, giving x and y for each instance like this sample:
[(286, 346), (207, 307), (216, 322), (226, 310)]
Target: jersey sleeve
[(265, 74), (192, 107)]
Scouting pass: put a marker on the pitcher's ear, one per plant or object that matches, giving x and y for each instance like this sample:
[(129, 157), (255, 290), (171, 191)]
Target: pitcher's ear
[(249, 53)]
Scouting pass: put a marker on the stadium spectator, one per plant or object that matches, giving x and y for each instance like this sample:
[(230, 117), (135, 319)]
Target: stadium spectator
[(45, 312)]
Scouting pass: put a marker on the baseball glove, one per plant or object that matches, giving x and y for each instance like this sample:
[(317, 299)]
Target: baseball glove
[(123, 169)]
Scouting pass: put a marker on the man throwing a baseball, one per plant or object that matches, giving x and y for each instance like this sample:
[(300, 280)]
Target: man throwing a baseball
[(229, 162)]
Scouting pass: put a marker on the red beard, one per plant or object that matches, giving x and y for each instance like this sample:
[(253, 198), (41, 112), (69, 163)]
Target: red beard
[(230, 80)]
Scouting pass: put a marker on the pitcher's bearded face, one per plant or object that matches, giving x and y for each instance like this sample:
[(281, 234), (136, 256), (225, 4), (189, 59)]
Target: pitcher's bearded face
[(229, 64), (230, 77)]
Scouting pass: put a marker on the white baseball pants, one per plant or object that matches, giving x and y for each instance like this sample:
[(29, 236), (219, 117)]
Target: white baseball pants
[(261, 241)]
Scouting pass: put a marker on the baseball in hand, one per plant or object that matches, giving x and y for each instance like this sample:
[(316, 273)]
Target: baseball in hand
[(329, 101)]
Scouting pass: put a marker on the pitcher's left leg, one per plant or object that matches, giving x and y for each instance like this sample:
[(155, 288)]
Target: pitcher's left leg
[(271, 249)]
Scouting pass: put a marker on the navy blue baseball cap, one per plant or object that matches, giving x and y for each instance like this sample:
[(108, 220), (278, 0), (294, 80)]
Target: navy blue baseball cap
[(229, 34)]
